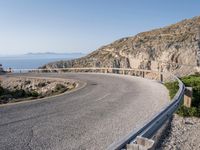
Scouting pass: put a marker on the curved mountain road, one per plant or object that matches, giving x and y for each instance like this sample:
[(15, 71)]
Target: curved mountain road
[(93, 117)]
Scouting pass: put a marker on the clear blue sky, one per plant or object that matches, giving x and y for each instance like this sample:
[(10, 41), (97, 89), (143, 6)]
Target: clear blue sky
[(82, 25)]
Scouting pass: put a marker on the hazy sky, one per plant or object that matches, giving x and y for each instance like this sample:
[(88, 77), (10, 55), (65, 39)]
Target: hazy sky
[(82, 25)]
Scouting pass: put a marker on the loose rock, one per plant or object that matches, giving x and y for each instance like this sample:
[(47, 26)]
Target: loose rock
[(183, 134)]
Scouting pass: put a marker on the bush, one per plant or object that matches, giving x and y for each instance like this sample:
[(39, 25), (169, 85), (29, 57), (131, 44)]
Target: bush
[(172, 87), (1, 91), (191, 81), (18, 93), (60, 88), (194, 82), (41, 84), (7, 95), (187, 112), (34, 94), (3, 100)]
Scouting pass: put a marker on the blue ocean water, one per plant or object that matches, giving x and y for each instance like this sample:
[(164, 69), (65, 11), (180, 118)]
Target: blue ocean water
[(32, 61)]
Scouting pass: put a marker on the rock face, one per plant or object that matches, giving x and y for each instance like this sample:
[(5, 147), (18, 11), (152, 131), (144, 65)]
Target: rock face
[(164, 48)]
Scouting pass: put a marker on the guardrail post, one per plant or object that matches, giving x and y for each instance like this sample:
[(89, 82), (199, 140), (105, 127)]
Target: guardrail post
[(141, 144), (143, 75), (161, 77), (106, 70), (188, 97)]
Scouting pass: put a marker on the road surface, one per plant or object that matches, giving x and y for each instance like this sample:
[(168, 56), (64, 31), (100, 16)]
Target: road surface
[(93, 117)]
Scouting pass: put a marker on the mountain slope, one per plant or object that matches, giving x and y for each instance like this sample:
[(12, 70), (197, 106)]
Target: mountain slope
[(167, 47)]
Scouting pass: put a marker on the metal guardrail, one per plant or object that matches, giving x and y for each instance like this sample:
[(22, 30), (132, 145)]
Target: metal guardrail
[(130, 71), (88, 68), (152, 125)]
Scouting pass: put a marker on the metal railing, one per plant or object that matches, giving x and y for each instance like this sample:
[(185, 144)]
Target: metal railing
[(152, 125), (130, 71)]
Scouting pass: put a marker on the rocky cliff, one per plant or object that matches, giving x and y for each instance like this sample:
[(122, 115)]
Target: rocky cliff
[(173, 48)]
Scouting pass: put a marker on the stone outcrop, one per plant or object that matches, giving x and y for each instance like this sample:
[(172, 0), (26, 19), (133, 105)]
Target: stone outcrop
[(173, 48)]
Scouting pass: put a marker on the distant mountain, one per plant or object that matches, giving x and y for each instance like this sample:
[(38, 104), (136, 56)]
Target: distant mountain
[(175, 48), (50, 55)]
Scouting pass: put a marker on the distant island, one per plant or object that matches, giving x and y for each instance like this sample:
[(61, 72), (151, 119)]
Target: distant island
[(53, 53)]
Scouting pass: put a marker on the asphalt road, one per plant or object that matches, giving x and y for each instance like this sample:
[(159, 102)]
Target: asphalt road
[(93, 117)]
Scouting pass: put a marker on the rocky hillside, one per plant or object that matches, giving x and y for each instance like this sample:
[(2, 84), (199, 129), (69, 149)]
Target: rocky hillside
[(165, 48)]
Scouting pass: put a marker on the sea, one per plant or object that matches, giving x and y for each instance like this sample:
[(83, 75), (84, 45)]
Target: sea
[(33, 61)]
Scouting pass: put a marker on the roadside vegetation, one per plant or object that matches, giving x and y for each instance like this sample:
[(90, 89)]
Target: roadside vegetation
[(190, 81), (10, 96), (7, 96)]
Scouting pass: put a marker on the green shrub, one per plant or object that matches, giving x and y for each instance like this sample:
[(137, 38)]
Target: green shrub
[(3, 99), (34, 94), (172, 87), (1, 91), (18, 93), (60, 88), (41, 84), (191, 81), (187, 112), (194, 82)]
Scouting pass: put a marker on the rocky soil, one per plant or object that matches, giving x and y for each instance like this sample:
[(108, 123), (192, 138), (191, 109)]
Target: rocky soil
[(22, 87), (173, 48), (183, 134)]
